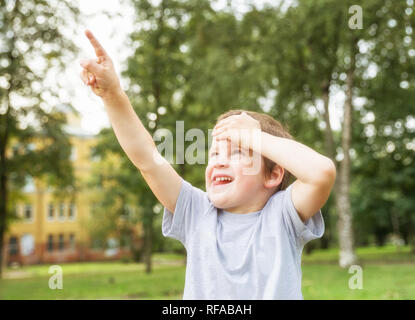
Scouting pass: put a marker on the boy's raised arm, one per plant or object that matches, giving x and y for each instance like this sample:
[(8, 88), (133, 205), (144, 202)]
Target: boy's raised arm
[(134, 139)]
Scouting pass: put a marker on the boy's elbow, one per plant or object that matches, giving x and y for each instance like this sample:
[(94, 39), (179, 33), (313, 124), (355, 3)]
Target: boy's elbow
[(328, 173)]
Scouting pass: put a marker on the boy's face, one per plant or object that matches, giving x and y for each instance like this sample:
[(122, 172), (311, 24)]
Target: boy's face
[(234, 177)]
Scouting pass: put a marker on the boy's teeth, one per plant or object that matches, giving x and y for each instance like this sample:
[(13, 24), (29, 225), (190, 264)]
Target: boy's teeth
[(223, 179)]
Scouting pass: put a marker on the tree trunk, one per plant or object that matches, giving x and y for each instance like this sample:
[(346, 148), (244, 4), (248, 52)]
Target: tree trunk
[(395, 223), (4, 137), (4, 140), (3, 208), (329, 140), (157, 93), (347, 255)]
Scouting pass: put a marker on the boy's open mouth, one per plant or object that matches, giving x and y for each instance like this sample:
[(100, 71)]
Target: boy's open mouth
[(221, 180)]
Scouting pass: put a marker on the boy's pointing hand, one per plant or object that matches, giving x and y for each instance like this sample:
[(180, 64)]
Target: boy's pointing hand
[(99, 73)]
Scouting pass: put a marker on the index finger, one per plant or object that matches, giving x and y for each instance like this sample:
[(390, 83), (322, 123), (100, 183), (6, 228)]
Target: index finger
[(99, 50)]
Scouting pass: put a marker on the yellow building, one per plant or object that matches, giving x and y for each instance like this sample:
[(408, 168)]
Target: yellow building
[(52, 230)]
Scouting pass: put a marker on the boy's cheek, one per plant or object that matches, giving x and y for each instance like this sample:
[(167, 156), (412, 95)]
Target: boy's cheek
[(247, 161), (208, 174)]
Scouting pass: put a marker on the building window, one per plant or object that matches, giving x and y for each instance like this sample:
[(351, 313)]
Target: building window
[(13, 246), (72, 241), (51, 211), (27, 244), (28, 212), (61, 242), (72, 210), (50, 243), (61, 211)]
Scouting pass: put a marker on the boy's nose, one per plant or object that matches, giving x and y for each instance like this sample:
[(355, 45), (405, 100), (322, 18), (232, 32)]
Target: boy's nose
[(222, 161)]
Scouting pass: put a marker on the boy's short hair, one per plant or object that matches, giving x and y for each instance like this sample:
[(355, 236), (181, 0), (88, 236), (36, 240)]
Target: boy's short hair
[(271, 126)]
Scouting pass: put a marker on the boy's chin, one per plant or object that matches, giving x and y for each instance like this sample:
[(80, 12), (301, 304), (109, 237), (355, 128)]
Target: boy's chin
[(218, 201), (223, 198)]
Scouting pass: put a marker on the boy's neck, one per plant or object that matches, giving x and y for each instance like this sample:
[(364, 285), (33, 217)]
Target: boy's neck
[(251, 207)]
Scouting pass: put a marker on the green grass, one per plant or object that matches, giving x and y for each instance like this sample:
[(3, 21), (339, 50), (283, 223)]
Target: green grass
[(110, 281), (385, 254), (383, 282), (322, 278)]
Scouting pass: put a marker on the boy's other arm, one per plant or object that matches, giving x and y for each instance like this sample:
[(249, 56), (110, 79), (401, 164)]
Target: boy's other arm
[(134, 139), (315, 173)]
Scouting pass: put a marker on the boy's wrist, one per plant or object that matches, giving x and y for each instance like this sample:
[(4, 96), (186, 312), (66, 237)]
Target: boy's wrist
[(256, 141), (113, 95)]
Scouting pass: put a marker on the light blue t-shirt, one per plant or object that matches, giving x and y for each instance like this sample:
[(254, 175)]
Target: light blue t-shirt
[(241, 256)]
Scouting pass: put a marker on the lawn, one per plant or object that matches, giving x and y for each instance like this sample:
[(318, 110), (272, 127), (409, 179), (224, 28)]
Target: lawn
[(385, 254), (388, 281), (322, 278)]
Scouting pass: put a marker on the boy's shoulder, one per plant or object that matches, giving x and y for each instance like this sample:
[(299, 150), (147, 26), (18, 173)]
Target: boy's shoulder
[(279, 196), (195, 194)]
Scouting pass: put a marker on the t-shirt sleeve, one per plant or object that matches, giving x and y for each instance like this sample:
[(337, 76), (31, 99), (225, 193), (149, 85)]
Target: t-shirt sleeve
[(191, 205), (301, 232)]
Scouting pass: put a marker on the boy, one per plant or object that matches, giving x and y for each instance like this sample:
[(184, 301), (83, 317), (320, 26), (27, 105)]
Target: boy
[(244, 236)]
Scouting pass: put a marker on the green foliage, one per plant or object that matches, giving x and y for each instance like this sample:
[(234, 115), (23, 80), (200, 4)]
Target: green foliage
[(31, 43), (385, 137), (32, 140)]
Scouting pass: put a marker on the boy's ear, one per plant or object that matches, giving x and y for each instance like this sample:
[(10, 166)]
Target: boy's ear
[(275, 178)]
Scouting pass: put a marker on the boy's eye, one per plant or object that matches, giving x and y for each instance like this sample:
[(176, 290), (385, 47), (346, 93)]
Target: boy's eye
[(214, 154)]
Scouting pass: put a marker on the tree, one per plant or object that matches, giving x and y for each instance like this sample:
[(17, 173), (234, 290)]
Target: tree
[(316, 53), (32, 141), (386, 133)]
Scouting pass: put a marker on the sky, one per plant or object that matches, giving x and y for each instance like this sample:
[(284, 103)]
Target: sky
[(112, 32)]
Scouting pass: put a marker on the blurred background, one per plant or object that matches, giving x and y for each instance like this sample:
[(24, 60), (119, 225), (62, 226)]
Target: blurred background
[(340, 78)]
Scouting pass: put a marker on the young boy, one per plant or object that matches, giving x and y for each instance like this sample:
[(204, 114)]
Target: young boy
[(244, 236)]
